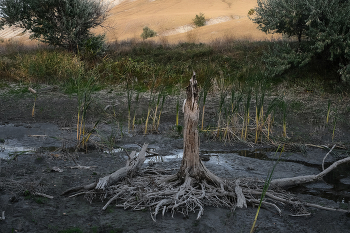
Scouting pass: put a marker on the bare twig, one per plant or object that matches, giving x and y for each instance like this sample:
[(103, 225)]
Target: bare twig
[(326, 157)]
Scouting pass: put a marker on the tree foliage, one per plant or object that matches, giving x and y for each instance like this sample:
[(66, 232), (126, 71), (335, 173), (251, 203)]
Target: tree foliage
[(199, 20), (147, 33), (62, 23), (282, 16), (321, 26)]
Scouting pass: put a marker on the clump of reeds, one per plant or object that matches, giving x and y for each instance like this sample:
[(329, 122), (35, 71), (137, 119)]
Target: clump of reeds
[(164, 95), (328, 110), (283, 106), (246, 116), (137, 98), (259, 113), (235, 106), (85, 86), (204, 93), (150, 101)]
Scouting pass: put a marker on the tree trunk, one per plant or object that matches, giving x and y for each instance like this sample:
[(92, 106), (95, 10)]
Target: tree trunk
[(191, 162), (191, 165)]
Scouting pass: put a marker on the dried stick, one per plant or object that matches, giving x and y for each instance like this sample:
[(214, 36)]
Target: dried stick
[(326, 157), (306, 179)]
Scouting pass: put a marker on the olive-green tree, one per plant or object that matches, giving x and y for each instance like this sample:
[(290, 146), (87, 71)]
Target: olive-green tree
[(324, 25), (62, 23)]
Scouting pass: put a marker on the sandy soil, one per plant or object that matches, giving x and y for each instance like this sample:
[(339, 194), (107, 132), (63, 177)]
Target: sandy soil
[(46, 141)]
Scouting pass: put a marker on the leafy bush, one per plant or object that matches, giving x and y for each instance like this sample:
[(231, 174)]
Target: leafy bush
[(62, 23), (325, 25), (147, 33), (199, 20), (94, 46)]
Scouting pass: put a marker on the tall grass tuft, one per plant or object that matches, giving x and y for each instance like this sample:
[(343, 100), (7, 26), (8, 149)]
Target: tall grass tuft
[(204, 93), (129, 93), (266, 187), (85, 84), (246, 115), (283, 106), (137, 97), (270, 113), (259, 113), (334, 123), (328, 110), (49, 67), (223, 95), (164, 95)]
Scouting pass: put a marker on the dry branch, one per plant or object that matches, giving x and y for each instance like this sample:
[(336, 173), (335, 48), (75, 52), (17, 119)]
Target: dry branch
[(285, 182)]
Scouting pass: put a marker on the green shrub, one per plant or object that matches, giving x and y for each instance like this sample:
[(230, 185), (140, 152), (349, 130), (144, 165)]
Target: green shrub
[(251, 11), (199, 20), (322, 28), (147, 33)]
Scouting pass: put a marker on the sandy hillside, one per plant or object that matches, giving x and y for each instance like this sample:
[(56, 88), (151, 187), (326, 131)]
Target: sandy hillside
[(172, 20)]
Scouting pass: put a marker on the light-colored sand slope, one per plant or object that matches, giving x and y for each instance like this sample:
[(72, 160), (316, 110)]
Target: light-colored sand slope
[(13, 32), (172, 20)]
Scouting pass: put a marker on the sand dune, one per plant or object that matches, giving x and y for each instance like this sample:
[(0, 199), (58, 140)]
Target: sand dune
[(172, 20)]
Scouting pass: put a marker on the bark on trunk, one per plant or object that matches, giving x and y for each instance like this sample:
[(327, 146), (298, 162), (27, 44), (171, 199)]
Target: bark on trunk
[(191, 165)]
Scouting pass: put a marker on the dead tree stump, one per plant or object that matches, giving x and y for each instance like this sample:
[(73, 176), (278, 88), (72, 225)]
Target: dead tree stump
[(191, 165)]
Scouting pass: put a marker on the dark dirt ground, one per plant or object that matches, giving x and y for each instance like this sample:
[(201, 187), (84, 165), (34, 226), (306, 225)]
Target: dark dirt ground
[(56, 118)]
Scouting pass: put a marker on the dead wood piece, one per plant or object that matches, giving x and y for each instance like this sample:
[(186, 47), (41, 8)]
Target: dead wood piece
[(240, 196), (82, 167), (43, 195), (285, 182), (283, 200), (112, 199), (56, 169), (2, 215), (133, 165), (267, 204), (326, 157)]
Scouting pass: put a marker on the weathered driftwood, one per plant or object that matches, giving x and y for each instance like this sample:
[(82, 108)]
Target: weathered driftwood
[(285, 182)]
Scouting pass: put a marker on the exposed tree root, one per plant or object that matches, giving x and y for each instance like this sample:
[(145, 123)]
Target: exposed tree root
[(169, 193)]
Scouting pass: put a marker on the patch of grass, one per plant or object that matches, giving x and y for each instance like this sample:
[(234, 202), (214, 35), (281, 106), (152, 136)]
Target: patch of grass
[(48, 66), (27, 194), (178, 129)]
